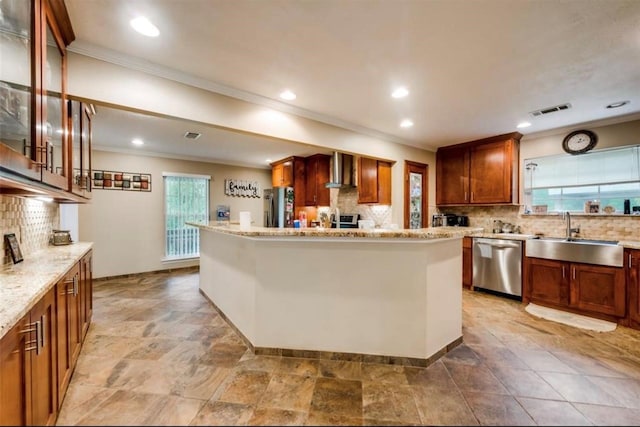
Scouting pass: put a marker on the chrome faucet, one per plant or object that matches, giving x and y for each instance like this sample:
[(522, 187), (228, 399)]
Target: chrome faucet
[(567, 216)]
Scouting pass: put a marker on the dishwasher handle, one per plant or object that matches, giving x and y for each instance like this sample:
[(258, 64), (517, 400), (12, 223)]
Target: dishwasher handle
[(499, 244)]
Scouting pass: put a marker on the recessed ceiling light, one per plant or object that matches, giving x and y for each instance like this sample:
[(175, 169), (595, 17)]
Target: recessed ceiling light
[(400, 92), (288, 95), (137, 141), (523, 125), (617, 104), (144, 27), (268, 160), (406, 123)]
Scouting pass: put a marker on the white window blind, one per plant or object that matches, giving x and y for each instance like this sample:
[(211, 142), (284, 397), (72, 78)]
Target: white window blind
[(186, 198)]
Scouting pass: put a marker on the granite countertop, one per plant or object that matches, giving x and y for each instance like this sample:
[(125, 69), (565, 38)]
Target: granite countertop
[(22, 285), (420, 233)]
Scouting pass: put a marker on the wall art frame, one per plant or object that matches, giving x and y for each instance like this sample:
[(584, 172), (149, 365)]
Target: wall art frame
[(119, 180), (11, 242)]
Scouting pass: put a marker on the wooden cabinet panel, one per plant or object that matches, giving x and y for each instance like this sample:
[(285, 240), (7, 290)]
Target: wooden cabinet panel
[(467, 262), (69, 327), (591, 290), (633, 287), (14, 368), (316, 177), (86, 292), (367, 180), (482, 172), (491, 172), (374, 181), (547, 282), (282, 173), (44, 393), (452, 176), (598, 289), (28, 392)]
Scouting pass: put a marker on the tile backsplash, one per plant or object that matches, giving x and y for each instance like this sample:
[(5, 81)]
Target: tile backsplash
[(347, 201), (592, 226), (31, 220)]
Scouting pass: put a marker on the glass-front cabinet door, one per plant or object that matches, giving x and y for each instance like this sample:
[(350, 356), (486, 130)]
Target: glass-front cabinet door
[(54, 148), (17, 135), (80, 114)]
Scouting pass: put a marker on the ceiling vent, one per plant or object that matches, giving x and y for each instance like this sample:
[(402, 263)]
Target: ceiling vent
[(550, 110), (192, 135)]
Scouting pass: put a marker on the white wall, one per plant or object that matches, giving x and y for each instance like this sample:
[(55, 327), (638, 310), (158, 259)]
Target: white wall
[(105, 82), (127, 227)]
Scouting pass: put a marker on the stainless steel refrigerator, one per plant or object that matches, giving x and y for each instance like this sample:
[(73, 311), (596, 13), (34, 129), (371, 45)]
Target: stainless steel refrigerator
[(278, 207)]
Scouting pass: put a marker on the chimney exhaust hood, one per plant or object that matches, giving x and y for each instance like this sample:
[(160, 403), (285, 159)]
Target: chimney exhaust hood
[(342, 171)]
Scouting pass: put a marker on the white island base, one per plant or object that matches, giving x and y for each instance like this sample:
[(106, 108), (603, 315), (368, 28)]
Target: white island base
[(397, 300)]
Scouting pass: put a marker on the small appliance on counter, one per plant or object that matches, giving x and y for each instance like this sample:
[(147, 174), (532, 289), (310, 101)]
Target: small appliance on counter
[(449, 220), (346, 220), (60, 237)]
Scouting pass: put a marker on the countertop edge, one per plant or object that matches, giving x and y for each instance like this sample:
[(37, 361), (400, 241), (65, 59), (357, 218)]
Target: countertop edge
[(22, 285)]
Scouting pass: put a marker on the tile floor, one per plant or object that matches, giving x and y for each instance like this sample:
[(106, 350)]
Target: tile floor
[(158, 354)]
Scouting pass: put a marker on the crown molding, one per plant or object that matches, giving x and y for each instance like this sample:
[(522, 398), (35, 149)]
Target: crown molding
[(137, 64)]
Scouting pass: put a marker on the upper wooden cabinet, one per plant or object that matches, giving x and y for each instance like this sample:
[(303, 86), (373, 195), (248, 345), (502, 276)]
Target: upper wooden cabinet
[(80, 117), (482, 172), (290, 172), (33, 115), (316, 178), (374, 181), (282, 171)]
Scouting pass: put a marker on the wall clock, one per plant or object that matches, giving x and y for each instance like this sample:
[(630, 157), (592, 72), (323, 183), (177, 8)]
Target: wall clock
[(579, 141)]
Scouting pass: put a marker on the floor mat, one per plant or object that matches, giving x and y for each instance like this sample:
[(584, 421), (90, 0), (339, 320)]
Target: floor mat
[(570, 319)]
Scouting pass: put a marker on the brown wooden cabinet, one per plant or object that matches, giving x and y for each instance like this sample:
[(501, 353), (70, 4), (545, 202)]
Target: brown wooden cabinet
[(633, 287), (482, 172), (316, 177), (374, 181), (34, 147), (290, 172), (80, 116), (69, 327), (467, 262), (28, 394), (592, 290), (39, 353), (86, 292)]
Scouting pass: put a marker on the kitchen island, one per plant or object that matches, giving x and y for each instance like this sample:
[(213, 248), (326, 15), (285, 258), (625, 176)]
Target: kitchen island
[(393, 296)]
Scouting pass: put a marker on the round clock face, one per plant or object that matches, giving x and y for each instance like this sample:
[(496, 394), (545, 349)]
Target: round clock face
[(579, 141)]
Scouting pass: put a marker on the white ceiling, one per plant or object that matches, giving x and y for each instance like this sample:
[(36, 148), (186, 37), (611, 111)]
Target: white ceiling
[(474, 68)]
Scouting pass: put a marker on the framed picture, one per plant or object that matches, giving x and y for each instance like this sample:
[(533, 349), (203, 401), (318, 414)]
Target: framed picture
[(14, 248)]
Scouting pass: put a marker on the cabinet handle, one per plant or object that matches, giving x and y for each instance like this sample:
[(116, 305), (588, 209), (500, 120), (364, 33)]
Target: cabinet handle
[(43, 331), (37, 340), (74, 289), (574, 273), (465, 196), (629, 260), (563, 271)]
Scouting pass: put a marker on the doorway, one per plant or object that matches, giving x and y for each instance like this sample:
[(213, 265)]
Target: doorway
[(415, 194)]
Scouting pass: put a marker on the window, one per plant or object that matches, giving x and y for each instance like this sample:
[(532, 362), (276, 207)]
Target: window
[(186, 198), (565, 182)]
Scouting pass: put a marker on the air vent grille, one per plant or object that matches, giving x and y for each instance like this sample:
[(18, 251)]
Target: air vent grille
[(550, 110), (192, 135)]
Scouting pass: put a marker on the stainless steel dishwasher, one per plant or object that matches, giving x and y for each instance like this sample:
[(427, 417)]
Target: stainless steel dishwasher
[(497, 265)]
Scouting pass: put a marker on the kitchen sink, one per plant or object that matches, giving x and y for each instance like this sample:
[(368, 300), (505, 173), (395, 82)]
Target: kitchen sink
[(588, 251)]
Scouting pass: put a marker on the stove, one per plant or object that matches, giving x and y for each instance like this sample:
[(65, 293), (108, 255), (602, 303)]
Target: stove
[(346, 220)]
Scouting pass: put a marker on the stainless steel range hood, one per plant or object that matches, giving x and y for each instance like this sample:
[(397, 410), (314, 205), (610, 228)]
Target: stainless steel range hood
[(342, 171)]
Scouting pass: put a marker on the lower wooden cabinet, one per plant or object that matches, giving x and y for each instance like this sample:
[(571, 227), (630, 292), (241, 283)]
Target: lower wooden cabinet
[(69, 327), (588, 289), (39, 353), (467, 262), (28, 380), (632, 257)]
